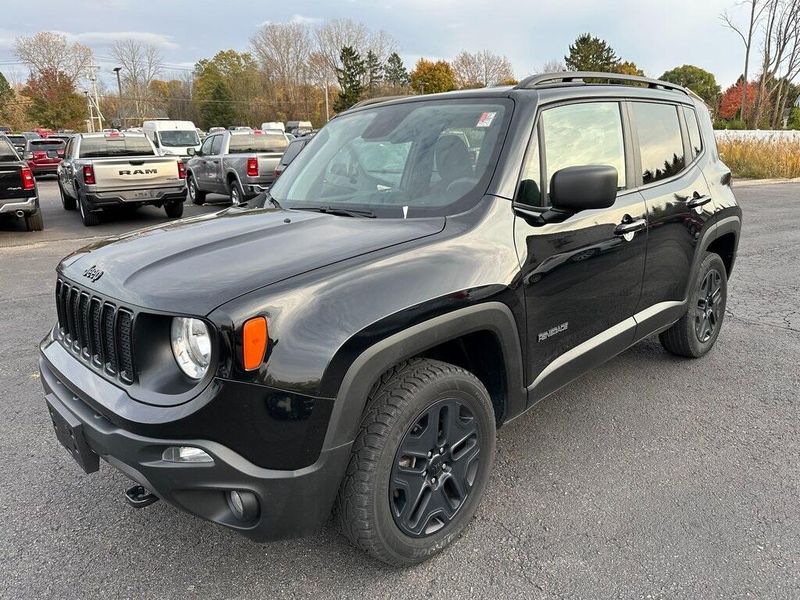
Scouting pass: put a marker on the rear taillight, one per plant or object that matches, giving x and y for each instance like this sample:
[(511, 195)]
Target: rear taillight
[(27, 179), (39, 155), (88, 174), (181, 170), (252, 167)]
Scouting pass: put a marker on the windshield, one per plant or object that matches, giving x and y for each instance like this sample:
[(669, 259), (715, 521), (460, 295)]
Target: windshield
[(99, 147), (7, 152), (178, 138), (416, 158), (257, 142)]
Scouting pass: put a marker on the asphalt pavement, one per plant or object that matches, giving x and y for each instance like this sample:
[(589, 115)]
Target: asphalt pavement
[(651, 477)]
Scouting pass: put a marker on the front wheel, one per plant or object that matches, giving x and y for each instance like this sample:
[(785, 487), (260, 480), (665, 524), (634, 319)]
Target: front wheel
[(420, 463), (699, 328)]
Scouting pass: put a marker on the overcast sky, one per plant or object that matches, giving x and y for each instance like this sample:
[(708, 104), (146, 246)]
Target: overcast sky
[(656, 34)]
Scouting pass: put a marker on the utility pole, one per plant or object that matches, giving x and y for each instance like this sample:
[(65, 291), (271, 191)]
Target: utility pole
[(94, 98), (90, 121), (327, 110), (119, 99)]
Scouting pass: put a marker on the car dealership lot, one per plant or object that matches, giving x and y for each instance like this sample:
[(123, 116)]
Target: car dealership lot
[(651, 476)]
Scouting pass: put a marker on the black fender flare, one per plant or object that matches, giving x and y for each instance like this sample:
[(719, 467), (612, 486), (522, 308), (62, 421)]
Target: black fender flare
[(365, 370), (728, 224)]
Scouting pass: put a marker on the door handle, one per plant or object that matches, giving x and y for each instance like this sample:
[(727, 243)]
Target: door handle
[(698, 200), (629, 226)]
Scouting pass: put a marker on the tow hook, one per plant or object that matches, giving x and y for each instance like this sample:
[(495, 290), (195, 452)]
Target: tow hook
[(139, 497)]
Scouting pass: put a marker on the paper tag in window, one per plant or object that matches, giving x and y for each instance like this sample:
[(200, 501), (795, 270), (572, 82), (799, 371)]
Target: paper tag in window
[(486, 119)]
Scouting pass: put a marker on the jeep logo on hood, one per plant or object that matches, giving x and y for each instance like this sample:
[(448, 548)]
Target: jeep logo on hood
[(138, 172), (93, 273)]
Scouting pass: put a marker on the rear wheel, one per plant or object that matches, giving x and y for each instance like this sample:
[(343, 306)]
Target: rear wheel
[(195, 195), (67, 202), (174, 209), (420, 462), (90, 219), (698, 329), (236, 192), (33, 221)]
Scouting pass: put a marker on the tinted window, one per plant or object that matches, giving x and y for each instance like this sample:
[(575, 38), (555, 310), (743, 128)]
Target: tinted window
[(261, 142), (206, 147), (7, 151), (583, 134), (47, 144), (98, 147), (291, 151), (660, 143), (695, 141)]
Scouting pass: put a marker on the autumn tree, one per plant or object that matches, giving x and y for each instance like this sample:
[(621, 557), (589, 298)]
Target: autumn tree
[(626, 67), (430, 77), (283, 51), (589, 53), (700, 81), (51, 53), (239, 90), (349, 76), (481, 69), (54, 102), (394, 72), (729, 104)]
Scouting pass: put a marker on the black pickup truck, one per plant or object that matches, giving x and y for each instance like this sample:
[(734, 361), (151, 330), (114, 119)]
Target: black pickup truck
[(427, 270), (19, 197)]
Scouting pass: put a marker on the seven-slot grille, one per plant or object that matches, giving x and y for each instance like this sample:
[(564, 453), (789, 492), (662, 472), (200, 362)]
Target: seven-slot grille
[(97, 330)]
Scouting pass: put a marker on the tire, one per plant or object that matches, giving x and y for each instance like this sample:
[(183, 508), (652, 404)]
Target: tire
[(236, 192), (34, 221), (90, 219), (197, 196), (174, 209), (699, 328), (68, 202), (373, 511)]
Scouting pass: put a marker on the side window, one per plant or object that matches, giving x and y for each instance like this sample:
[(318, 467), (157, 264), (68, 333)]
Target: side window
[(583, 134), (660, 142), (206, 147), (216, 146), (695, 141)]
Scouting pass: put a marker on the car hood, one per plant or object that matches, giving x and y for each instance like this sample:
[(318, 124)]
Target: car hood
[(195, 265)]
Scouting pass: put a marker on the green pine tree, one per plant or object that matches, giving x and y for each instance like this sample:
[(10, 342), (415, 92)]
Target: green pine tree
[(590, 53), (349, 76), (394, 71), (217, 110), (374, 73)]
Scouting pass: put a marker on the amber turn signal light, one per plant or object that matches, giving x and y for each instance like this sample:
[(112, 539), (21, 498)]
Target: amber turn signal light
[(254, 342)]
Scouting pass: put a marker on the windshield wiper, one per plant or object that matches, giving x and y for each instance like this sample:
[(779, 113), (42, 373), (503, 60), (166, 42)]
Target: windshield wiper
[(268, 197), (341, 212)]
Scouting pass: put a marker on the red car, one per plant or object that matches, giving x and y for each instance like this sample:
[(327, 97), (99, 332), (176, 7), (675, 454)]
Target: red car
[(44, 155)]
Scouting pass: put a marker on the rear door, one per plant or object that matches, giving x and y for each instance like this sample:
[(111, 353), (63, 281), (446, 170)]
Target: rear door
[(582, 277), (678, 202)]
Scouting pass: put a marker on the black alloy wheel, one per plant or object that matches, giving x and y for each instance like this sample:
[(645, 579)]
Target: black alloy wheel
[(709, 297)]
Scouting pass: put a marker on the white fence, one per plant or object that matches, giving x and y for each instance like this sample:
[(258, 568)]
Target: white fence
[(765, 135)]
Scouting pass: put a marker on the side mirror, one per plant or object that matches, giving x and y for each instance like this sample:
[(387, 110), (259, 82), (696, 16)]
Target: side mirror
[(191, 151), (583, 188)]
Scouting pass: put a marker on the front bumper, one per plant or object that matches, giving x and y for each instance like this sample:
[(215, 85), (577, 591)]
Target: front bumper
[(27, 205), (291, 502)]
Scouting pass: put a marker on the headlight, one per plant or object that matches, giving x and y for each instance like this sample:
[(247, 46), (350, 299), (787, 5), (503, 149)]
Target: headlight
[(191, 345)]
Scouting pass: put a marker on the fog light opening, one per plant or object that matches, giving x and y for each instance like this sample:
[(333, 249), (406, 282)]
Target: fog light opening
[(243, 505), (186, 454)]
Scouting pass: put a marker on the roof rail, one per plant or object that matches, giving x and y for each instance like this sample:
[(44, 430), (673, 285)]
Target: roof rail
[(567, 77)]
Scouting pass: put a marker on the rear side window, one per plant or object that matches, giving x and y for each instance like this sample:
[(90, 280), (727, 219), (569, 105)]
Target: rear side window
[(573, 135), (292, 150), (695, 141), (252, 142), (99, 147), (7, 151), (660, 142)]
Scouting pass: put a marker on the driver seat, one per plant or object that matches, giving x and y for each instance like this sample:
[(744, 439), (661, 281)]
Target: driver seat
[(453, 161)]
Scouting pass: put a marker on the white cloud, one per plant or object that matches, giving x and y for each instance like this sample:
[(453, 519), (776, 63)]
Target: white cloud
[(107, 38), (302, 20)]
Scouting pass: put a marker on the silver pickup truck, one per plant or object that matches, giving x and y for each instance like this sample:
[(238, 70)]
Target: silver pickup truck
[(103, 170), (240, 163)]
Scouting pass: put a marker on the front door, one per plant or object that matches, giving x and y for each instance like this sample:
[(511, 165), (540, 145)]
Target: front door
[(582, 277)]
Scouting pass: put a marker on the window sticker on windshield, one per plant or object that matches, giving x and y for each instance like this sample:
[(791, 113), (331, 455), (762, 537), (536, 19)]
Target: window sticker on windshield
[(485, 119)]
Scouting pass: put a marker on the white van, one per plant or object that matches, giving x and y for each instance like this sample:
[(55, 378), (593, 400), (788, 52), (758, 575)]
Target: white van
[(273, 126), (172, 138)]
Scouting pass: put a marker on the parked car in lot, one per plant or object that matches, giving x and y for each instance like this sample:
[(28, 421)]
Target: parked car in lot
[(292, 150), (44, 155), (356, 342), (240, 163), (172, 138), (19, 142), (19, 197), (106, 170)]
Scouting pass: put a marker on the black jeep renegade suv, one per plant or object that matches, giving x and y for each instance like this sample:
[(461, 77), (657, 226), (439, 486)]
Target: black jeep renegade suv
[(428, 269)]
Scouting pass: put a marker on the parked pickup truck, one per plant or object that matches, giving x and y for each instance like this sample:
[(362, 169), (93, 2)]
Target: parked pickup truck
[(240, 163), (18, 196), (102, 170)]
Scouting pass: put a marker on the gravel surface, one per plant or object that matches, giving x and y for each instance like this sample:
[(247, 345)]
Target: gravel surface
[(651, 477)]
